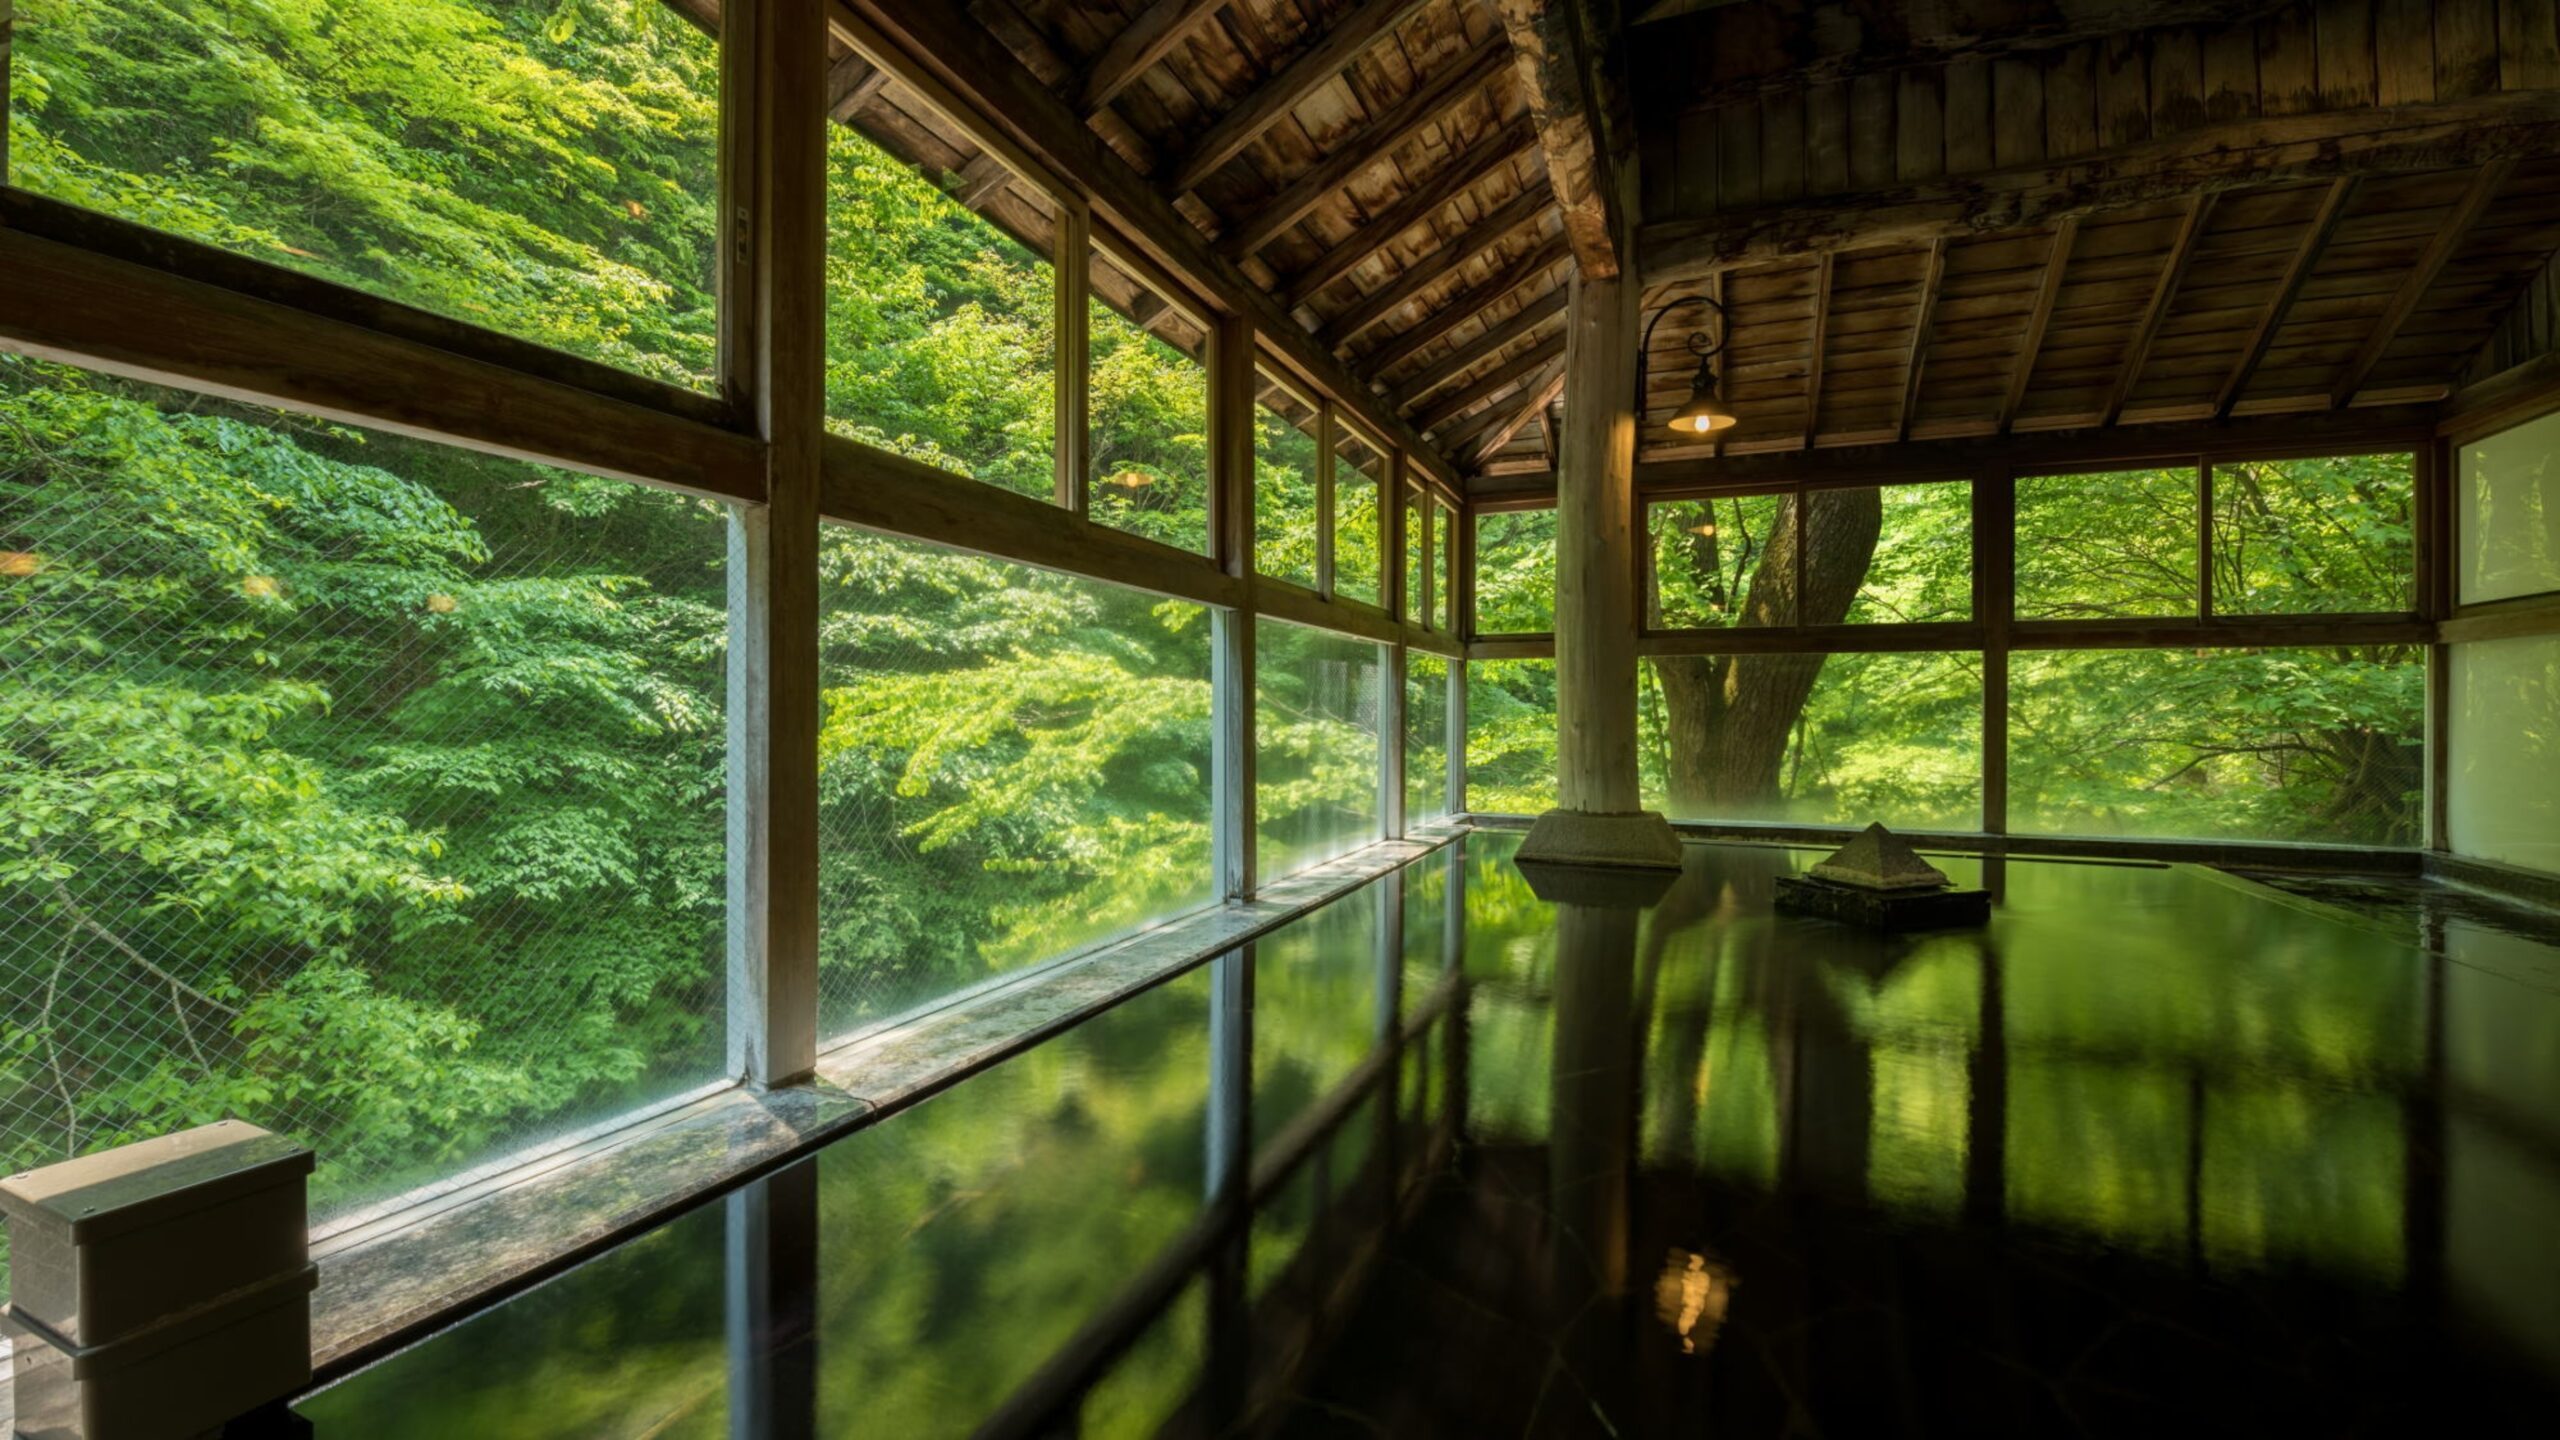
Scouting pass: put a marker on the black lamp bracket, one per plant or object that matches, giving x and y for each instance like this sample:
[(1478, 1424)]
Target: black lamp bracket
[(1705, 350)]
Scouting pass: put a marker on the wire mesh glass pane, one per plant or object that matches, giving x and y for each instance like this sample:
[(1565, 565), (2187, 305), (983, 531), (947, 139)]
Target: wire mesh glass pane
[(2330, 535), (1725, 561), (1285, 501), (2276, 744), (2502, 745), (1317, 744), (1836, 740), (942, 322), (1516, 572), (1426, 737), (366, 790), (2112, 545), (1013, 765), (1149, 401), (2507, 525), (1359, 517), (1511, 736), (549, 171)]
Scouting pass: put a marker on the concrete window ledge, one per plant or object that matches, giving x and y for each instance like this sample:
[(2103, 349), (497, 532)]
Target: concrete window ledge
[(393, 1277)]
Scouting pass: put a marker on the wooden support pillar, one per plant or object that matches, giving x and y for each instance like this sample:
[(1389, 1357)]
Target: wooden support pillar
[(774, 346), (1231, 631), (1597, 819)]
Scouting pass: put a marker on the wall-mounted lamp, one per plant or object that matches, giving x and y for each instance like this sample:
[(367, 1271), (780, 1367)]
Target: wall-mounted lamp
[(1705, 413)]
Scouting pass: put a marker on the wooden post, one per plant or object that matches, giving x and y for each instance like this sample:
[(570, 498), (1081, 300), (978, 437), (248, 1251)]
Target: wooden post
[(774, 58), (1233, 816), (1597, 820), (8, 22), (1456, 741), (1994, 600), (1325, 441), (1073, 266)]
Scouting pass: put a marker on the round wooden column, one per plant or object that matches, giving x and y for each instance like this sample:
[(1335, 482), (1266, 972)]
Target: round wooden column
[(1598, 819)]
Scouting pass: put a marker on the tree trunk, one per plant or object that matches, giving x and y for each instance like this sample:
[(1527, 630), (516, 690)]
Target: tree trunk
[(1728, 717)]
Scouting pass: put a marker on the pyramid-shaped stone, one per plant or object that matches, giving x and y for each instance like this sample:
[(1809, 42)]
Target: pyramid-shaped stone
[(1878, 859)]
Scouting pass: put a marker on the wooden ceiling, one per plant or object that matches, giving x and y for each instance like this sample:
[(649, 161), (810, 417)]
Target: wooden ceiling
[(1953, 218)]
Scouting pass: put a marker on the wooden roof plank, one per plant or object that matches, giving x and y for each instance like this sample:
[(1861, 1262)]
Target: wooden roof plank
[(1339, 43), (2448, 239)]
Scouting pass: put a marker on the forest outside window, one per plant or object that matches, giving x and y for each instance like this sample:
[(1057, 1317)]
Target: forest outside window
[(1148, 391), (1824, 739), (1718, 562), (941, 300), (2306, 743), (1416, 606), (1444, 547), (1288, 502), (1360, 485), (1516, 572), (1318, 743), (363, 789), (1013, 765), (2114, 544), (2332, 534), (548, 171), (1511, 736), (1426, 737)]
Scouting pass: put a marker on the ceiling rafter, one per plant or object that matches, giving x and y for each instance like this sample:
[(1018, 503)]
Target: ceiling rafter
[(1442, 260), (1491, 385), (1540, 394), (1916, 354), (1407, 343), (2056, 261), (852, 84), (1465, 171), (1374, 142), (2306, 256), (1140, 44), (2449, 238), (1465, 357), (1335, 47), (1564, 53), (2182, 251)]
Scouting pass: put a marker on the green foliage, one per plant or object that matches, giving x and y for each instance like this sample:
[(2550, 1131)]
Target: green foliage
[(1515, 573)]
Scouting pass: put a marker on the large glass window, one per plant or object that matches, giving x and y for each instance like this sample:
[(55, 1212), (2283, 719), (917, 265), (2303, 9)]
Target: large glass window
[(2503, 742), (1511, 736), (1918, 569), (1720, 562), (2108, 545), (551, 171), (1839, 739), (942, 318), (1417, 562), (2507, 524), (1516, 572), (2328, 535), (1013, 764), (1359, 517), (1149, 399), (364, 789), (2270, 744), (1287, 505), (1444, 549), (1317, 745), (1426, 737)]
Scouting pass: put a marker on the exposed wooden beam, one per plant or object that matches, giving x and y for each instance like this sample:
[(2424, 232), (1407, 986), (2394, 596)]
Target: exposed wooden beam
[(1821, 332), (1550, 420), (1543, 393), (2449, 238), (1915, 354), (1440, 261), (1462, 359), (2182, 250), (2057, 260), (66, 303), (941, 43), (1139, 45), (1817, 31), (2325, 145), (1508, 373), (979, 179), (1461, 174), (1374, 142), (1334, 49), (852, 84), (1565, 53), (1458, 311), (2333, 208)]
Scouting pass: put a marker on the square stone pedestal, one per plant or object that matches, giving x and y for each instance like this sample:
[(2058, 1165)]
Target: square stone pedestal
[(1639, 840)]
